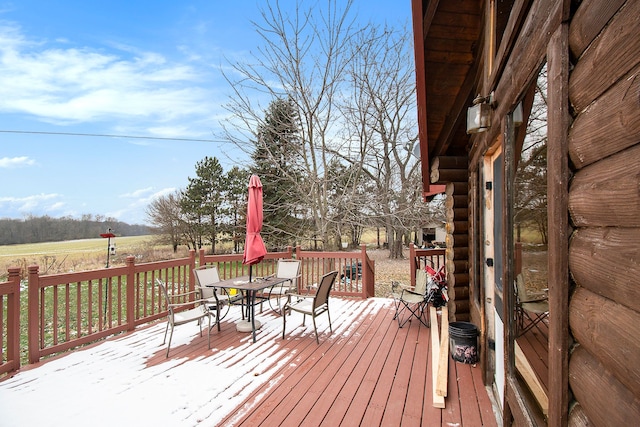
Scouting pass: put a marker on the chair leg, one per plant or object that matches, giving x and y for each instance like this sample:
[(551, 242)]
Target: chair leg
[(209, 331), (169, 344), (329, 315), (533, 322), (315, 329), (284, 324), (417, 310), (165, 333)]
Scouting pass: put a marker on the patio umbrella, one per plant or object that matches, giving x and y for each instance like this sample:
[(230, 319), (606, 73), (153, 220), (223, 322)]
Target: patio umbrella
[(254, 249)]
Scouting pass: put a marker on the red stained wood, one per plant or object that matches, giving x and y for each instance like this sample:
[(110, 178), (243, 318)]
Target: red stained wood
[(378, 375)]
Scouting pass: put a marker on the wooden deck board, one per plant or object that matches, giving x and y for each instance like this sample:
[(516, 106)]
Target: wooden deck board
[(485, 405), (451, 414), (399, 378), (282, 399), (367, 372), (335, 393), (353, 380), (534, 344), (380, 376), (362, 397), (417, 392)]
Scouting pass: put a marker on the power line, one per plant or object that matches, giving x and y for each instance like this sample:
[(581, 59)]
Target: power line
[(102, 135)]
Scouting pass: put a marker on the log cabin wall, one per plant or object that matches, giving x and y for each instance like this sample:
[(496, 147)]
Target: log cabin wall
[(604, 206), (592, 49), (452, 171)]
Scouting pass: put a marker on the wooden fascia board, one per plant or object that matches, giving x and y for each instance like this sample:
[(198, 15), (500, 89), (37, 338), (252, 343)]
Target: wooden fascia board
[(421, 22)]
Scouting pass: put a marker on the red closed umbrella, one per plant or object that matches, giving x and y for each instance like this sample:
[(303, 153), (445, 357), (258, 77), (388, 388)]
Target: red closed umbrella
[(254, 249)]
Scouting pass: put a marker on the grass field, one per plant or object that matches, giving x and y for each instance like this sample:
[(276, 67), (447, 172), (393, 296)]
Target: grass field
[(85, 254)]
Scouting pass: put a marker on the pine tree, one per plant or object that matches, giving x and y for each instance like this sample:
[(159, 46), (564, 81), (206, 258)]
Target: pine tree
[(201, 202), (276, 158)]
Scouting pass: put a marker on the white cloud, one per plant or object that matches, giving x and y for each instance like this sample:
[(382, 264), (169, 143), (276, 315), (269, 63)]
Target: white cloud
[(16, 162), (31, 203), (75, 85), (137, 193)]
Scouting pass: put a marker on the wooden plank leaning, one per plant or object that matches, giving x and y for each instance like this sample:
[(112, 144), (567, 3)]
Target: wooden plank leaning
[(438, 401)]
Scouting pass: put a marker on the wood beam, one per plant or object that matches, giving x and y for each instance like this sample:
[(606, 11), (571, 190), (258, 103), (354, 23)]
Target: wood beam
[(557, 214)]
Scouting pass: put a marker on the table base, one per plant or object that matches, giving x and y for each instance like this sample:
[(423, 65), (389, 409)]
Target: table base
[(245, 326)]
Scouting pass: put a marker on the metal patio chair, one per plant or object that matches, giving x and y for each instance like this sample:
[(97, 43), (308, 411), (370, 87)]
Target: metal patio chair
[(312, 305), (288, 269), (176, 317), (217, 299)]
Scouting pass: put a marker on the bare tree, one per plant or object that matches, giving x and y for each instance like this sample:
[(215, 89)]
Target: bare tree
[(165, 215), (531, 176), (303, 59), (380, 117)]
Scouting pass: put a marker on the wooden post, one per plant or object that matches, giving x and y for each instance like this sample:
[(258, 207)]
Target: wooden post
[(33, 313), (13, 320), (557, 209), (131, 291)]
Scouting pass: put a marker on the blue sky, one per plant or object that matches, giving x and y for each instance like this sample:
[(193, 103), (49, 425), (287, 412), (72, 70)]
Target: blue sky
[(132, 68)]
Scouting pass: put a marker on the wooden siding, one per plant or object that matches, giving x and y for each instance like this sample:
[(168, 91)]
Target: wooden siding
[(603, 145), (592, 51)]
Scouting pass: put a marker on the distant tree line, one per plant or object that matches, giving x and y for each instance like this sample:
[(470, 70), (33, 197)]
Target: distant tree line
[(37, 229)]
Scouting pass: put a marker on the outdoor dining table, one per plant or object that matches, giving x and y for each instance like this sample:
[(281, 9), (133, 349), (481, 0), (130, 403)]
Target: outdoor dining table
[(250, 289)]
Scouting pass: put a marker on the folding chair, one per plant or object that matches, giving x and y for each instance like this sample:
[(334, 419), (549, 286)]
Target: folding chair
[(530, 309), (412, 303)]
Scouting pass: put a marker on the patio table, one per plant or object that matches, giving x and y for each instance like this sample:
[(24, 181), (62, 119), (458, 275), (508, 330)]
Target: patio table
[(251, 289)]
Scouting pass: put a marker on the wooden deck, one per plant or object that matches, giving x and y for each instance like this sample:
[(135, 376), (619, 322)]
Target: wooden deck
[(535, 347), (367, 372), (378, 375)]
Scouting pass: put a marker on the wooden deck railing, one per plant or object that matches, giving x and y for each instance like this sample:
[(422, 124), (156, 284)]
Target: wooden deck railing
[(356, 272), (73, 309), (68, 310), (10, 322), (418, 258)]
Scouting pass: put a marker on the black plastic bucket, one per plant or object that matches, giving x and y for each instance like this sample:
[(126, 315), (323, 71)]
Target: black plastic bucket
[(463, 342)]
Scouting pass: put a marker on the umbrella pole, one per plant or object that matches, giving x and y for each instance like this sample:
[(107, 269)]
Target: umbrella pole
[(249, 293)]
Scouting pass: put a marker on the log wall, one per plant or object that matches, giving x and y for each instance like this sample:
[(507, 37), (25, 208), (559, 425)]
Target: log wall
[(604, 202), (452, 171)]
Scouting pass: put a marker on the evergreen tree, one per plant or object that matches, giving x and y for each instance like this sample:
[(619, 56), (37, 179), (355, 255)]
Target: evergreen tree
[(202, 200), (276, 161), (235, 207)]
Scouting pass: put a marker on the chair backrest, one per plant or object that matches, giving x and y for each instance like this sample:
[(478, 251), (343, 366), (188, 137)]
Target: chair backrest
[(166, 295), (521, 290), (326, 283), (206, 276), (289, 269), (421, 281)]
